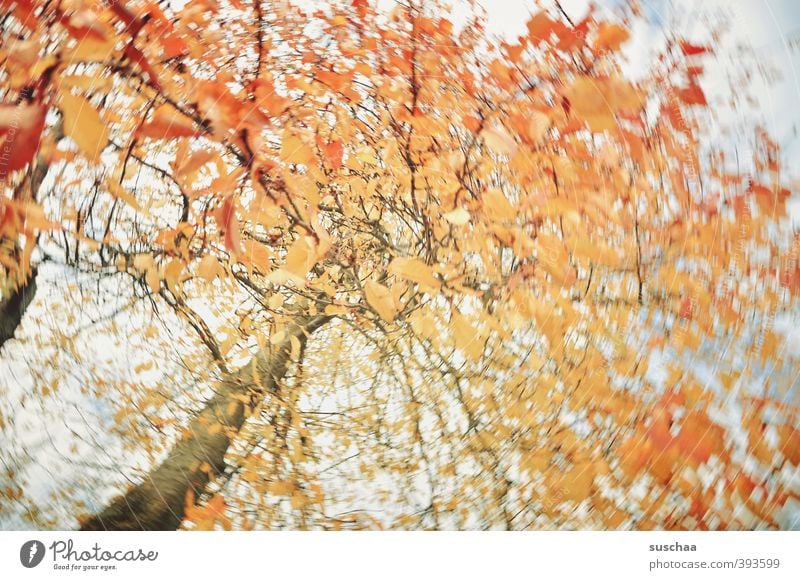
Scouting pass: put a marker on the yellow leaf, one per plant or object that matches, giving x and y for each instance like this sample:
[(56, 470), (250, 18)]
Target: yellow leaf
[(294, 149), (83, 125), (143, 262), (276, 301), (89, 49), (537, 461), (538, 124), (423, 324), (553, 258), (115, 189), (298, 500), (282, 277), (255, 253), (598, 99), (380, 299), (466, 337), (172, 275), (298, 456), (250, 476), (596, 252), (301, 257), (209, 267), (281, 488), (302, 186), (576, 484), (458, 216), (498, 140), (497, 207), (335, 309), (414, 270), (153, 280)]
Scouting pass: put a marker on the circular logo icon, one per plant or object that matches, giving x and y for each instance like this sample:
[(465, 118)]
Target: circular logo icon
[(31, 553)]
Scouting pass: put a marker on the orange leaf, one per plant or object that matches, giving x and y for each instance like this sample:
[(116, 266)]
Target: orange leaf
[(229, 225), (611, 36), (541, 27), (83, 125), (168, 123), (692, 95), (333, 153)]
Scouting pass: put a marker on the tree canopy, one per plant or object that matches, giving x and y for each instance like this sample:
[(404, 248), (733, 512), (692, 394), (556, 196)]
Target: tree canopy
[(348, 268)]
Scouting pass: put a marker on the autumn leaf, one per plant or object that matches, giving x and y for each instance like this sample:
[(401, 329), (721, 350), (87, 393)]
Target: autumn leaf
[(541, 27), (466, 336), (295, 150), (497, 207), (333, 153), (599, 100), (229, 225), (209, 267), (457, 217), (168, 123), (500, 141), (301, 257), (692, 95), (610, 36), (173, 275), (576, 483), (690, 49), (380, 299), (414, 270), (371, 250), (83, 125), (20, 128)]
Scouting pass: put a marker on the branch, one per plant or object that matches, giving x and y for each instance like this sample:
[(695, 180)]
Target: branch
[(159, 501)]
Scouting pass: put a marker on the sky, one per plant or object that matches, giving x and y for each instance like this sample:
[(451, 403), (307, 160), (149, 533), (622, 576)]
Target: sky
[(770, 27)]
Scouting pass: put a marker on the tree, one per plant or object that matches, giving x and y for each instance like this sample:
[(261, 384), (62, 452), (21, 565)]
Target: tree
[(479, 235)]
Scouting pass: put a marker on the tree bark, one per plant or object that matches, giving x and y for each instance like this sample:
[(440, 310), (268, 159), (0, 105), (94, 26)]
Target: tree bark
[(13, 307), (159, 501)]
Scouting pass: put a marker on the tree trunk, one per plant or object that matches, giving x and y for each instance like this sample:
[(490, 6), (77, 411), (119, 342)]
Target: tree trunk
[(158, 502), (13, 307)]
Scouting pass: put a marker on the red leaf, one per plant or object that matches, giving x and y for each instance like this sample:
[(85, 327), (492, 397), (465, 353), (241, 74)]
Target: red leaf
[(333, 152), (138, 57), (229, 226), (692, 95), (361, 7), (790, 278), (686, 308), (23, 10), (20, 130), (692, 49)]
